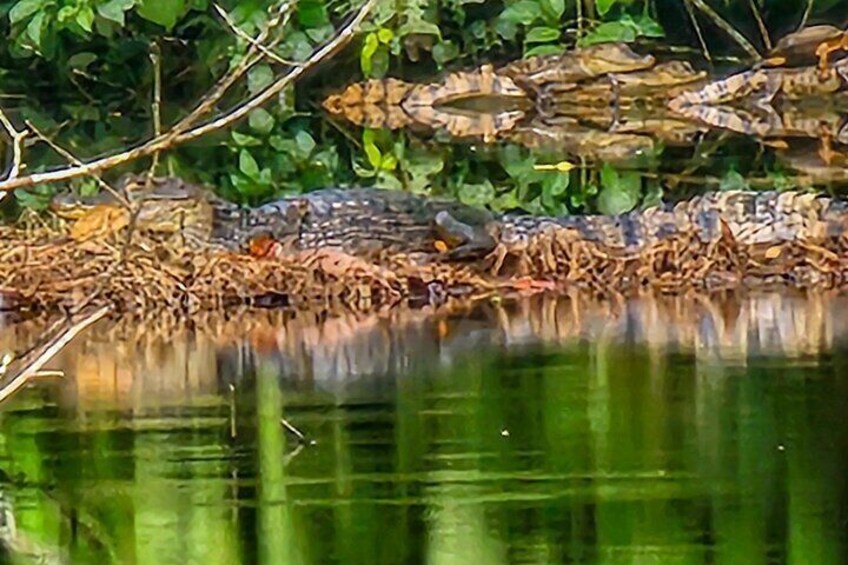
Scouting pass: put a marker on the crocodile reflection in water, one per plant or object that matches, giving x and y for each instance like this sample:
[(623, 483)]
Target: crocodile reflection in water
[(582, 77), (158, 369)]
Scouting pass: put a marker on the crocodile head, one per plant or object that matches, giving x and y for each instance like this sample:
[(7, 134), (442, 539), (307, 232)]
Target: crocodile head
[(171, 206), (605, 58)]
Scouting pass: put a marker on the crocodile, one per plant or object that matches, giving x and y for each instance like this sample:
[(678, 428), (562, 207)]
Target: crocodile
[(487, 102), (762, 85), (392, 103), (753, 228), (361, 221)]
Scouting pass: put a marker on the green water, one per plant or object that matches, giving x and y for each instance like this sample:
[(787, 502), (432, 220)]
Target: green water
[(674, 430)]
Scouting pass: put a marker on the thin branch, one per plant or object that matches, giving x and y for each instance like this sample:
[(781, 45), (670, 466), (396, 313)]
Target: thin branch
[(761, 24), (155, 110), (17, 146), (697, 26), (208, 102), (807, 10), (74, 161), (175, 137), (727, 28), (42, 354), (253, 42)]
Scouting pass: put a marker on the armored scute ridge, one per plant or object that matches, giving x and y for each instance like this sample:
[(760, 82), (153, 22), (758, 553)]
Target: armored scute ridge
[(722, 237)]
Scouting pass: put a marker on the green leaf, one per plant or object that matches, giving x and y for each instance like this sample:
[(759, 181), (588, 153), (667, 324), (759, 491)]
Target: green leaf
[(620, 191), (163, 12), (243, 140), (445, 51), (424, 165), (24, 9), (385, 36), (556, 184), (248, 165), (66, 14), (523, 12), (733, 180), (555, 7), (380, 62), (646, 26), (261, 120), (296, 46), (477, 194), (547, 49), (35, 28), (312, 13), (507, 30), (373, 154), (36, 198), (258, 78), (81, 60), (609, 32), (387, 181), (418, 26), (304, 143), (389, 162), (368, 49), (85, 18), (542, 35), (113, 10), (604, 6)]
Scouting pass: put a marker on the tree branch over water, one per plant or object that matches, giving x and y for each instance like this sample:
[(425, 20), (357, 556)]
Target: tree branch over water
[(186, 129)]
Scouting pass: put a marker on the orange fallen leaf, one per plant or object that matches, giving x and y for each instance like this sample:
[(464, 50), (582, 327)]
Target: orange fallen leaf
[(773, 252)]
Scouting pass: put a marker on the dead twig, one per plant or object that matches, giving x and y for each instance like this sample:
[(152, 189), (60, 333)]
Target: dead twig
[(252, 41), (251, 57), (807, 10), (761, 24), (17, 138), (74, 161), (58, 338), (156, 103), (175, 137), (727, 28)]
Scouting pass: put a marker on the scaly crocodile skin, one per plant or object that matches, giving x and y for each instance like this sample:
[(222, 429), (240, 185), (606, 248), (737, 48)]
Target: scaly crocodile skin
[(752, 218)]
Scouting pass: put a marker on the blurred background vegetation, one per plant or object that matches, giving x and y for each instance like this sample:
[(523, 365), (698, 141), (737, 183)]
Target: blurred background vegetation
[(81, 71)]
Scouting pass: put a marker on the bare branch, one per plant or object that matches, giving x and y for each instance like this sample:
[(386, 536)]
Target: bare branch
[(807, 9), (175, 136), (155, 109), (761, 24), (253, 42), (208, 102), (727, 28), (74, 161), (17, 146), (697, 26), (58, 337)]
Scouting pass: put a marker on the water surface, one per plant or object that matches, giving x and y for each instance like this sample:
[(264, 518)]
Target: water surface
[(550, 430)]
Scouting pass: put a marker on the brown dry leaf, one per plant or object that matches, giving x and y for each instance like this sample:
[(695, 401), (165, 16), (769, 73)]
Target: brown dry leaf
[(100, 222)]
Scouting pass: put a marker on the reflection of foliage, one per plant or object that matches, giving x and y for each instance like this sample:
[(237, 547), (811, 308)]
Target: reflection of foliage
[(80, 71)]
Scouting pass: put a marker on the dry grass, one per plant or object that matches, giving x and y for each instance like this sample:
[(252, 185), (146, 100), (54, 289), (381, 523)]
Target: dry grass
[(42, 268)]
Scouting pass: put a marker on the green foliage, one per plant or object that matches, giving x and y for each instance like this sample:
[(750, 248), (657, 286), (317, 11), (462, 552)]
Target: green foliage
[(81, 71)]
